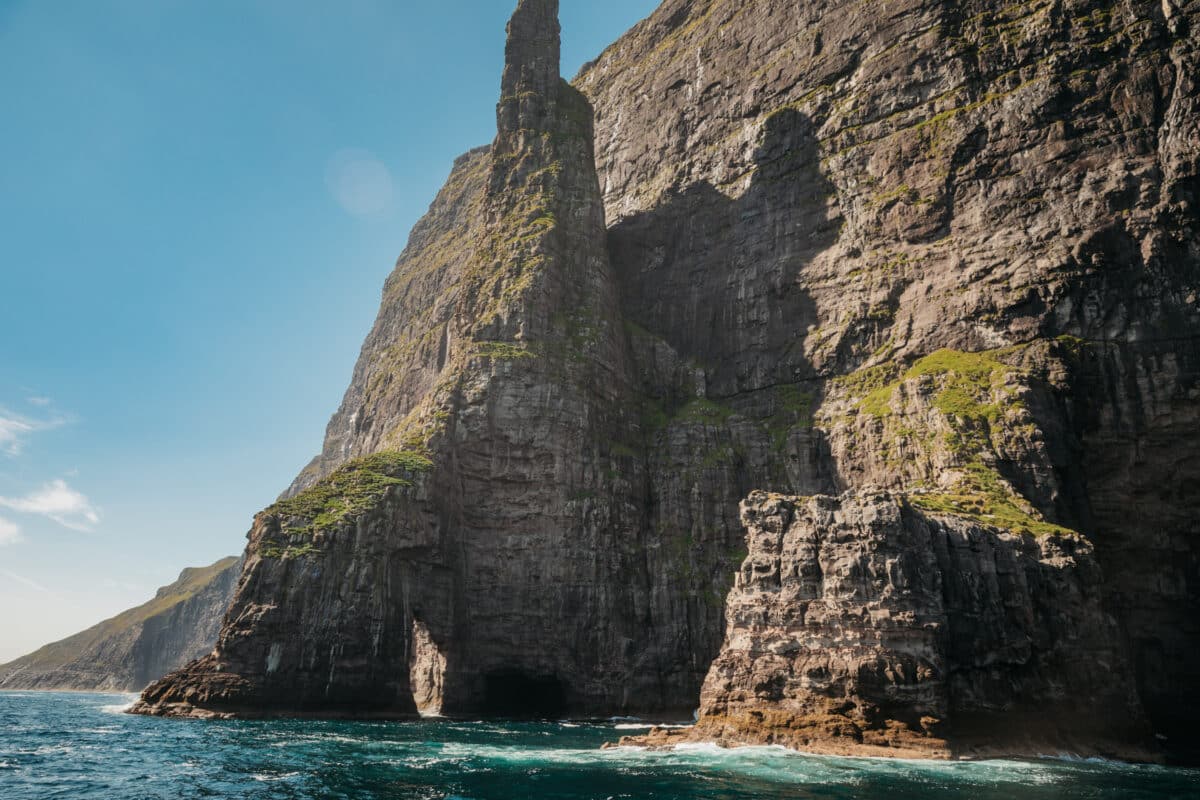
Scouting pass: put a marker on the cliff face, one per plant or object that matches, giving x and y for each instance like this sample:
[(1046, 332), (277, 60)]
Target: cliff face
[(948, 251), (973, 248), (864, 625), (481, 501), (127, 652)]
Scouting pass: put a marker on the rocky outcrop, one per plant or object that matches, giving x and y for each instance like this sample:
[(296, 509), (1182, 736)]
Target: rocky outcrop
[(129, 651), (947, 252), (864, 625), (967, 234), (481, 501)]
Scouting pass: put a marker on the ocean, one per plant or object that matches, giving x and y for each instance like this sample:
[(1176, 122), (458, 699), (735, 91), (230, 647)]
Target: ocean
[(81, 746)]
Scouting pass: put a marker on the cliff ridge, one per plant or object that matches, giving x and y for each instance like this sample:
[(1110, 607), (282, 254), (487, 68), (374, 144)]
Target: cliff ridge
[(129, 651)]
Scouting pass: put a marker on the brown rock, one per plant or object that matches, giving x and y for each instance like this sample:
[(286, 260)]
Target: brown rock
[(862, 625)]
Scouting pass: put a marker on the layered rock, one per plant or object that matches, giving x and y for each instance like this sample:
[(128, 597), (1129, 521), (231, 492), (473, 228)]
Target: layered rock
[(129, 651), (948, 252), (1005, 313), (864, 625), (481, 501)]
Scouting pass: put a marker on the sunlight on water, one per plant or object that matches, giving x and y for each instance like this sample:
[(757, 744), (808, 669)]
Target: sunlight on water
[(82, 746)]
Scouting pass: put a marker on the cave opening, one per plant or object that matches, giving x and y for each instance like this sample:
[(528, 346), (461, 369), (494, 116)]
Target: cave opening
[(517, 695)]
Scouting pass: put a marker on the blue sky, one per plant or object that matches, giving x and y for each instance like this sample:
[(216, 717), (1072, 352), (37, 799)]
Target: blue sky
[(199, 202)]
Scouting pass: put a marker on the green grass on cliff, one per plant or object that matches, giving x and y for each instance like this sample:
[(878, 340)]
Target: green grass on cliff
[(501, 351), (983, 496), (972, 391), (968, 384), (350, 491), (793, 410), (705, 412)]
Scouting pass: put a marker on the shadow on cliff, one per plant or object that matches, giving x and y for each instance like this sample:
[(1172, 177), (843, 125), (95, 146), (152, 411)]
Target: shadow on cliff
[(717, 276), (719, 279)]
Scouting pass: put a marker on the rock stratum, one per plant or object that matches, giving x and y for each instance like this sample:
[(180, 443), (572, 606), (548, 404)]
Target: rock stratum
[(933, 266), (864, 625), (139, 646)]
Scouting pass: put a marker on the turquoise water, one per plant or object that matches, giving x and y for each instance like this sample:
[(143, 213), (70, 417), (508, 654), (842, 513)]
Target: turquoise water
[(82, 747)]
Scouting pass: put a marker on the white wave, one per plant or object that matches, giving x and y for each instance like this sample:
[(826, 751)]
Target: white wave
[(120, 708), (52, 750), (772, 763), (263, 777), (1071, 758), (644, 726)]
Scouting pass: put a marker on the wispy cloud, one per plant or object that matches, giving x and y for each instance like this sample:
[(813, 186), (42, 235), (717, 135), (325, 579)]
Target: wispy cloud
[(59, 502), (10, 533), (32, 584), (15, 429), (12, 430)]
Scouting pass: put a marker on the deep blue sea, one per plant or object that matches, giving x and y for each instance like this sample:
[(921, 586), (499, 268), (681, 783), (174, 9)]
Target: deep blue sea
[(81, 746)]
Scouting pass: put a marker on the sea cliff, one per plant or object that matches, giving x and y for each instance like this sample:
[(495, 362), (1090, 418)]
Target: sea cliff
[(933, 264)]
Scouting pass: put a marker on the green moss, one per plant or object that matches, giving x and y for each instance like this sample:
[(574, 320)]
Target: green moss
[(502, 351), (718, 457), (653, 415), (867, 379), (876, 403), (704, 411), (637, 331), (983, 496), (968, 385), (287, 551), (621, 450), (901, 192), (1072, 344), (350, 491), (793, 410)]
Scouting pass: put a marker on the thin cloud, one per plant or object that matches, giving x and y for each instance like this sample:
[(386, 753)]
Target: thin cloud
[(59, 502), (10, 533), (12, 431), (15, 429), (32, 584)]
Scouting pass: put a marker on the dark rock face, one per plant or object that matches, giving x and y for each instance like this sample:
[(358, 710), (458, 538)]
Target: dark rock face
[(129, 651), (504, 507), (1003, 176), (948, 252), (863, 625)]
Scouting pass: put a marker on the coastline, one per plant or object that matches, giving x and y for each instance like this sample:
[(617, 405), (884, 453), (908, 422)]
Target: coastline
[(71, 691), (899, 749), (665, 734)]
